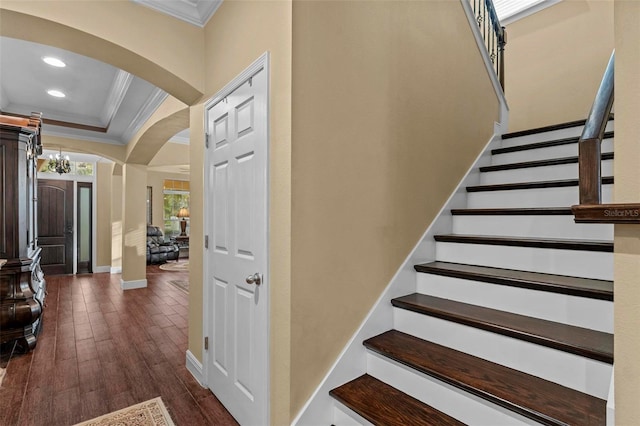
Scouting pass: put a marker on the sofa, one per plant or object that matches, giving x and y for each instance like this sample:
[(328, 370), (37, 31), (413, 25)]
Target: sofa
[(159, 250)]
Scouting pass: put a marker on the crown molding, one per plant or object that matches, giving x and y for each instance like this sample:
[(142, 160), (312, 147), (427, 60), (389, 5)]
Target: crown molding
[(118, 91), (195, 12), (150, 106)]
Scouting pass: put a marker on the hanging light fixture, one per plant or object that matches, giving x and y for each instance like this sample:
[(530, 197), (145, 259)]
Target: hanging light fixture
[(58, 164)]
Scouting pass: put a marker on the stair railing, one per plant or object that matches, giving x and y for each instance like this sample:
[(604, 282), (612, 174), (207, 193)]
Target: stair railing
[(494, 35), (591, 209)]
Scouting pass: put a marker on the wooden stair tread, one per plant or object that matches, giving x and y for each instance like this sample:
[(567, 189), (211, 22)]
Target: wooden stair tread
[(562, 244), (530, 396), (549, 128), (382, 404), (608, 180), (544, 144), (574, 286), (577, 340), (517, 211), (540, 163)]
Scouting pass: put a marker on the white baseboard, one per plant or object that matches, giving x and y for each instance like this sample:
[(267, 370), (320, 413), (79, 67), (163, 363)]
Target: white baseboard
[(195, 368), (131, 285), (101, 269), (116, 269), (611, 403)]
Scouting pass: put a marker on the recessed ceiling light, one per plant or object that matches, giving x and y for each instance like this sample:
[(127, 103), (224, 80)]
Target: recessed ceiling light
[(56, 93), (54, 62)]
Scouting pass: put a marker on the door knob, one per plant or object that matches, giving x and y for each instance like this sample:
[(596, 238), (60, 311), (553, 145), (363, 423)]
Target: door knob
[(254, 279)]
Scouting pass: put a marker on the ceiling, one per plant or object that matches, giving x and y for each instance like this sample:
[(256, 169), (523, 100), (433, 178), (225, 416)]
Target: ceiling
[(102, 103)]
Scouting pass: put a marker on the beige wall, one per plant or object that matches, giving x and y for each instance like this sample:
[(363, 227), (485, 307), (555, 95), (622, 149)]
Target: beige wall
[(554, 61), (103, 213), (390, 108), (627, 237), (171, 154), (134, 223), (238, 33), (116, 216)]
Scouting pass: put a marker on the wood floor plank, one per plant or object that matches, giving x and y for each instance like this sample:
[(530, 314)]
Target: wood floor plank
[(100, 350)]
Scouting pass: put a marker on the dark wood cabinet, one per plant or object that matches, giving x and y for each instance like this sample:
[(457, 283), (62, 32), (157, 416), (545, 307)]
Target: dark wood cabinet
[(22, 284)]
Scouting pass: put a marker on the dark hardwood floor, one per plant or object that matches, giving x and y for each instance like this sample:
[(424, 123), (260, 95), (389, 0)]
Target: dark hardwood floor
[(102, 349)]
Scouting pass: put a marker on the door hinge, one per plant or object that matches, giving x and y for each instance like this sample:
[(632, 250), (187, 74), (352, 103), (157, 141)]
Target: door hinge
[(206, 343), (206, 241), (206, 139)]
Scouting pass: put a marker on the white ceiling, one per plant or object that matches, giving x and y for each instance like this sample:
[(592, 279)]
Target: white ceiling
[(97, 94), (102, 103)]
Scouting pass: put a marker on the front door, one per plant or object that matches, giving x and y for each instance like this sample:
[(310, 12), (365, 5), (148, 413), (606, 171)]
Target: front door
[(55, 226), (237, 262)]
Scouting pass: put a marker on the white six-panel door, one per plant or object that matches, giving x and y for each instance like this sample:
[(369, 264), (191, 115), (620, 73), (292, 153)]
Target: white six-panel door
[(236, 259)]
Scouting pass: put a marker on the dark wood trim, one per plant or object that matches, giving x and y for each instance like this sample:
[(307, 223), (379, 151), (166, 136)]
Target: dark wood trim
[(607, 213), (576, 340), (573, 286), (382, 404), (61, 123), (589, 171), (583, 245), (75, 125), (533, 211), (535, 398), (540, 163), (545, 144), (559, 126), (608, 180)]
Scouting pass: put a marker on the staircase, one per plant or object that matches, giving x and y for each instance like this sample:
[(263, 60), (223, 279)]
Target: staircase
[(513, 321)]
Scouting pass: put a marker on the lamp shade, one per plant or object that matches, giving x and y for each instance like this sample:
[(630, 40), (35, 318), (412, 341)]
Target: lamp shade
[(184, 212)]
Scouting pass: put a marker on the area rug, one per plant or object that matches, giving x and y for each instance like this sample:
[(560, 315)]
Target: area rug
[(148, 413), (180, 284), (175, 266)]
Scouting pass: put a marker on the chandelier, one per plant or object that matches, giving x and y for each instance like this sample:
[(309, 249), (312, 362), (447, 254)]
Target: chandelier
[(58, 164)]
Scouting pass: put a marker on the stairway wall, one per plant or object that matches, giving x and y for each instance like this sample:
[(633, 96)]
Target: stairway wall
[(627, 237), (377, 119), (554, 60)]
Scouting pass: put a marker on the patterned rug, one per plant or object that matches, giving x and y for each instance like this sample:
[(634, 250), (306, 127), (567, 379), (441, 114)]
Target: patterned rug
[(180, 284), (149, 413), (175, 266)]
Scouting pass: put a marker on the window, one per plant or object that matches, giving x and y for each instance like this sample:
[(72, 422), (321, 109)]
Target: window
[(80, 168), (176, 197)]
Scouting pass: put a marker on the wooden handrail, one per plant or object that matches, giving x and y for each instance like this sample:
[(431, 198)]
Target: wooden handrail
[(591, 209)]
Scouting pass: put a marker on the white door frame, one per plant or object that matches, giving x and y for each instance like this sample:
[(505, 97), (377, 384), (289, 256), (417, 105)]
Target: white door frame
[(262, 63)]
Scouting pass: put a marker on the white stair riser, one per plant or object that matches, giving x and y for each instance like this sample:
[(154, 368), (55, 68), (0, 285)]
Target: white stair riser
[(344, 416), (578, 311), (574, 263), (534, 197), (455, 402), (549, 136), (536, 226), (573, 371), (533, 174), (559, 151)]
